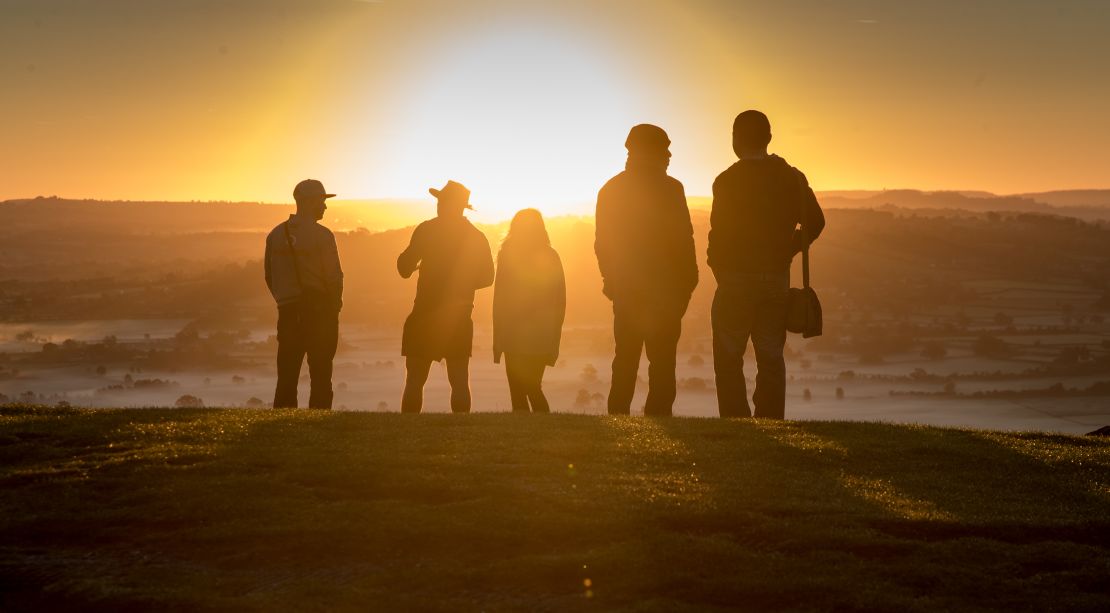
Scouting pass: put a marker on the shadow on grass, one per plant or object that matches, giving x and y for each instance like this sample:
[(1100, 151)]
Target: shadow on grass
[(272, 509)]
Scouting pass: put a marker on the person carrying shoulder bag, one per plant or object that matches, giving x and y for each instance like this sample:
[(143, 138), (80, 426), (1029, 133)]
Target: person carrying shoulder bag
[(306, 280), (758, 205)]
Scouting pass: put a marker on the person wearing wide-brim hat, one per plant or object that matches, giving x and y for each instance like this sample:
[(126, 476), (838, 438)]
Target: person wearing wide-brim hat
[(454, 261)]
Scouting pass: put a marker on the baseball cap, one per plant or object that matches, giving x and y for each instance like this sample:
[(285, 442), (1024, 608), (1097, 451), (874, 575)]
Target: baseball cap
[(310, 188)]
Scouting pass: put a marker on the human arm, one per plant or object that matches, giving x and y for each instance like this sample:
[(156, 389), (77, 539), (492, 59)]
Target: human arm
[(499, 313), (685, 233), (560, 306), (559, 288), (716, 219), (483, 261), (335, 269), (812, 218), (409, 260), (266, 267), (604, 239)]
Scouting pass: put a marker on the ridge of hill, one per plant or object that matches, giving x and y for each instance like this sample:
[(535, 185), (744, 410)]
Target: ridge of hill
[(59, 215), (257, 510)]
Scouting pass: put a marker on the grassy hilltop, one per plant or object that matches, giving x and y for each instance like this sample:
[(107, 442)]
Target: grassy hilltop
[(266, 510)]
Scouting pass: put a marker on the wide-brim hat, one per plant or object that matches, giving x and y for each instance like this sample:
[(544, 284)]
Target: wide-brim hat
[(453, 190)]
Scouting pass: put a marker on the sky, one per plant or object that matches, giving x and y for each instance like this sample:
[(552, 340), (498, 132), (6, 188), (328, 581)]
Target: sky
[(528, 103)]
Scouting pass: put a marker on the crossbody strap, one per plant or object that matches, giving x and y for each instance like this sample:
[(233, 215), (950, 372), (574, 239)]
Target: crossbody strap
[(805, 237), (293, 252)]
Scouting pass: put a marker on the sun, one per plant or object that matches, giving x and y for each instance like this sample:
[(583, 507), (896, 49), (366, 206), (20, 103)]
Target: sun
[(524, 118)]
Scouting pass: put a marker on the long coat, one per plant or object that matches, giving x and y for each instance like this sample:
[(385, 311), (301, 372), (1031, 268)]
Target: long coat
[(529, 303)]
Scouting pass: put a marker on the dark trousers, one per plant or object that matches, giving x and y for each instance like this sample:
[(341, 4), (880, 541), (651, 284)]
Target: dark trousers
[(525, 373), (416, 375), (312, 330), (640, 325), (750, 305)]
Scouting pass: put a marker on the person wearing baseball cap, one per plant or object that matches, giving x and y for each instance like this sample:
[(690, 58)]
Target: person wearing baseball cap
[(306, 280), (644, 243), (454, 261)]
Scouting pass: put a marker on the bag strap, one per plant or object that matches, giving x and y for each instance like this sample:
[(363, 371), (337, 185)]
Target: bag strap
[(293, 252), (805, 238)]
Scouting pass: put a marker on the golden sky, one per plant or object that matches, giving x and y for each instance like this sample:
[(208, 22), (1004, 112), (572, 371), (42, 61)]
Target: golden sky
[(528, 103)]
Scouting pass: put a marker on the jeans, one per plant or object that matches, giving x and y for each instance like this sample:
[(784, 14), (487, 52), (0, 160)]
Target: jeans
[(654, 327), (525, 374), (305, 328), (750, 305)]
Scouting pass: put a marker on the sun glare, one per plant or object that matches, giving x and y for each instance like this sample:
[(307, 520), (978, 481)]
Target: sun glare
[(522, 118)]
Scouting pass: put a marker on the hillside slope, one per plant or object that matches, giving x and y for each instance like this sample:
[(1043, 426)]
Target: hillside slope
[(263, 510)]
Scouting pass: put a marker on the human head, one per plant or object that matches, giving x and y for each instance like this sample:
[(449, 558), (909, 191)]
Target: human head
[(452, 199), (648, 142), (751, 133), (310, 196), (527, 228)]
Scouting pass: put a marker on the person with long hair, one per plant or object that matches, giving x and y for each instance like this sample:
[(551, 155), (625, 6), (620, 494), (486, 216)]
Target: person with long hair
[(529, 305)]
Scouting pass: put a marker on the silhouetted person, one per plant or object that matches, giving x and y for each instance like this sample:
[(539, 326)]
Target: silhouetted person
[(645, 250), (758, 204), (304, 276), (454, 260), (529, 303)]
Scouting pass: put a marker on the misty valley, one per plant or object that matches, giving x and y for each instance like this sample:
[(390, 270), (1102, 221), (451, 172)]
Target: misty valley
[(939, 309)]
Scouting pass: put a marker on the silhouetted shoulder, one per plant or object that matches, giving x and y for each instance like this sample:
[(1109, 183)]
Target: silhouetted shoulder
[(614, 183), (474, 230), (325, 231), (726, 175), (801, 176), (273, 233)]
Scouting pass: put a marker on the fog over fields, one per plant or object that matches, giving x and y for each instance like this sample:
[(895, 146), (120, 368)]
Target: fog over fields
[(941, 307)]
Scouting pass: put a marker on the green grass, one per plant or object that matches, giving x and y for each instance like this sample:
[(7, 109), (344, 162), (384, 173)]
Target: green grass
[(299, 510)]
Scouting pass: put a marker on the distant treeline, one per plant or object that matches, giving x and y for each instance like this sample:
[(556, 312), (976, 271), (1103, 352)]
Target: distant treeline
[(1056, 390)]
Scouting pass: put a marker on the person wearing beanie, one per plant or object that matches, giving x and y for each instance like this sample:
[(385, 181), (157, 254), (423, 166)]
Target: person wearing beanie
[(644, 243)]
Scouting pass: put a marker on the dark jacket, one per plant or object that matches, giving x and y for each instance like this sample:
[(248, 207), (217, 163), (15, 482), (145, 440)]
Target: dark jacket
[(454, 260), (757, 206), (302, 258), (644, 240), (529, 302)]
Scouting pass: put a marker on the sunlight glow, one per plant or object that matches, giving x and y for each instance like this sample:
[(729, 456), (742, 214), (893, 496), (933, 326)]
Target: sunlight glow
[(523, 117)]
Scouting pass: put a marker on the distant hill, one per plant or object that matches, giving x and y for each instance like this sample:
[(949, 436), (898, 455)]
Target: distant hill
[(1074, 197), (1088, 205), (57, 215), (913, 199), (54, 215)]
